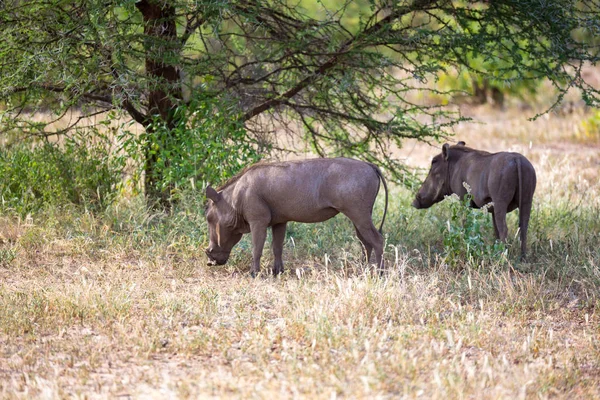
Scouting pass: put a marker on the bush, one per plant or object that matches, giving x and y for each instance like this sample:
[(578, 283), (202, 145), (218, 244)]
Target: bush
[(33, 176), (465, 233), (207, 145), (589, 128)]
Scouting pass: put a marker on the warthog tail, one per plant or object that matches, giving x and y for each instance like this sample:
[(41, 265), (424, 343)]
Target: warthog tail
[(378, 171), (520, 177), (522, 212)]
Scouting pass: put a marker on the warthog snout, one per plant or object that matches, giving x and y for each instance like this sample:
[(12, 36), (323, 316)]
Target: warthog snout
[(417, 202), (215, 258)]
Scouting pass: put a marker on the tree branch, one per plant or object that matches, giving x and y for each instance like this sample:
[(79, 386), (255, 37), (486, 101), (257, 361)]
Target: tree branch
[(334, 61), (126, 104), (191, 25)]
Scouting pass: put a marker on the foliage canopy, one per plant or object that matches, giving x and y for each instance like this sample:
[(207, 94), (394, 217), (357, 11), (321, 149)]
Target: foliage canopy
[(342, 77)]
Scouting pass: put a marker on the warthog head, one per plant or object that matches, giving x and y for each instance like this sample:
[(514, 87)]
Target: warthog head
[(223, 233), (437, 183)]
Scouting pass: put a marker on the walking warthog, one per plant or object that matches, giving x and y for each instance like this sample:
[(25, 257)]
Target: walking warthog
[(272, 194), (506, 179)]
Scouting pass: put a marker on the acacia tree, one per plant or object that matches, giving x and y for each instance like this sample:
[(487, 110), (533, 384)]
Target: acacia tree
[(347, 87)]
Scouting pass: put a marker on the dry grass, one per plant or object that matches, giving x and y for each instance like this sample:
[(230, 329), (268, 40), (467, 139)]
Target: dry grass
[(124, 327), (118, 326), (123, 306)]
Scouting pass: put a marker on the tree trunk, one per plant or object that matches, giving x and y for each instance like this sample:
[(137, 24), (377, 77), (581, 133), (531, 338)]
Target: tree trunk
[(480, 92), (161, 48), (156, 195), (497, 98)]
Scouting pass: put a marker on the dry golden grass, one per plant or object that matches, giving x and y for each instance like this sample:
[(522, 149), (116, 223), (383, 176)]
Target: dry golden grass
[(114, 325), (95, 308)]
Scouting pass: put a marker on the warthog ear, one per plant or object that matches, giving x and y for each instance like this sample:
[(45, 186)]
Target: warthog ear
[(461, 143), (213, 194), (446, 151)]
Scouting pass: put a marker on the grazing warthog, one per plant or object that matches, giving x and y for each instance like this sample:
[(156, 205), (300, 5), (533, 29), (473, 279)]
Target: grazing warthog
[(271, 194), (506, 179)]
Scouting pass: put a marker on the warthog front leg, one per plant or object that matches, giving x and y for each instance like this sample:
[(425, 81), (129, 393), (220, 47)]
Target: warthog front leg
[(278, 239), (259, 234)]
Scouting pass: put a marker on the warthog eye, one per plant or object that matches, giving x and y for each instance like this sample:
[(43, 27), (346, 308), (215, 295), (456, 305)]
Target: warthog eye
[(434, 161)]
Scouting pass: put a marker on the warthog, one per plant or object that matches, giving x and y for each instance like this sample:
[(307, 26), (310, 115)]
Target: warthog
[(506, 179), (272, 194)]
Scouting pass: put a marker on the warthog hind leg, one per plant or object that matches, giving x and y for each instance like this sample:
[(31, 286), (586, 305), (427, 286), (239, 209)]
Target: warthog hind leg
[(367, 247), (500, 222), (368, 235), (495, 227), (278, 239), (524, 214)]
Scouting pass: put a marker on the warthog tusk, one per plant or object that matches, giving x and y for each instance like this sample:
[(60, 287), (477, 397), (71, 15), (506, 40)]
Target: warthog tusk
[(218, 235)]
